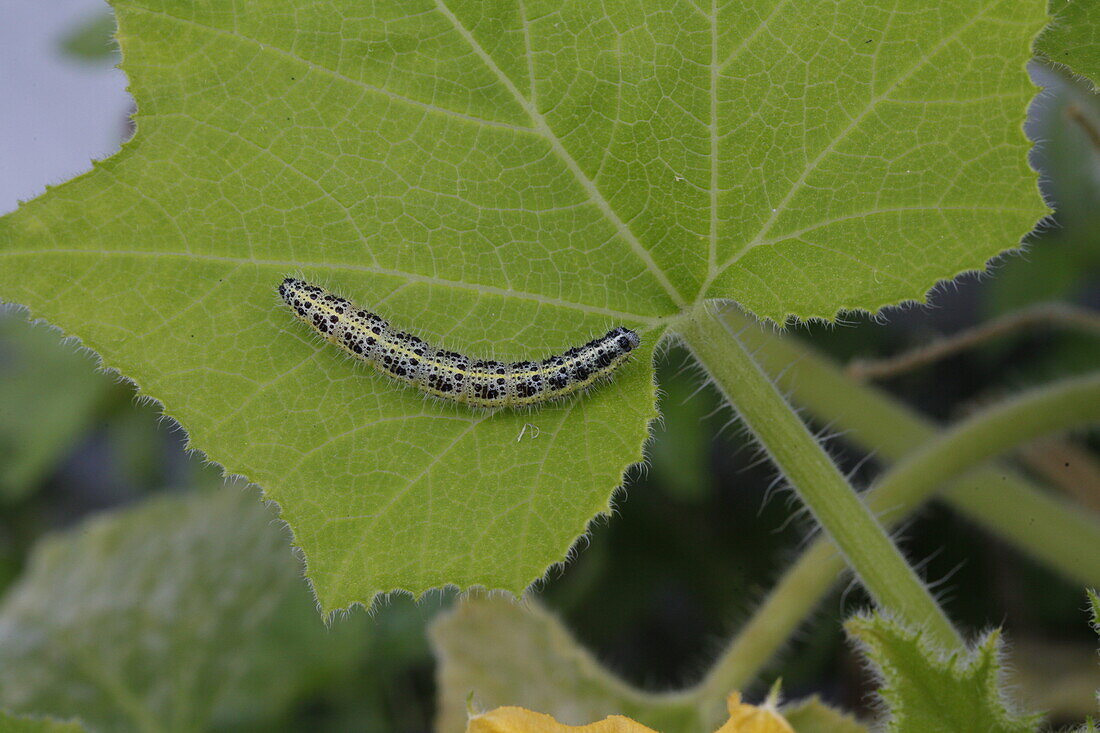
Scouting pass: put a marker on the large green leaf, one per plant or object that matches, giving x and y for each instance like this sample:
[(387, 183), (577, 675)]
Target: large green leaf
[(506, 177), (183, 611)]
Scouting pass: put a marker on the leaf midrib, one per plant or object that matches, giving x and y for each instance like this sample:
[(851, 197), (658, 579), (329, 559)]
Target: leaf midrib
[(559, 149)]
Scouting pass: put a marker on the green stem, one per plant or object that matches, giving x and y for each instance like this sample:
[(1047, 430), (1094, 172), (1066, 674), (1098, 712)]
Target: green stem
[(995, 497), (1052, 408), (836, 506)]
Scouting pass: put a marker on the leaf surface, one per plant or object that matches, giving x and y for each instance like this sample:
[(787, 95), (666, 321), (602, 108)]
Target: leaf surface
[(507, 179)]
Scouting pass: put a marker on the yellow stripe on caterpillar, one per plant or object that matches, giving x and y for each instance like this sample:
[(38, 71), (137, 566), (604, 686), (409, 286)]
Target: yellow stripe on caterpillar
[(448, 374)]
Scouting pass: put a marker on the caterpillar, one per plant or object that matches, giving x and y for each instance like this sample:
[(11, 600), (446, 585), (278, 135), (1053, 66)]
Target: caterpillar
[(448, 374)]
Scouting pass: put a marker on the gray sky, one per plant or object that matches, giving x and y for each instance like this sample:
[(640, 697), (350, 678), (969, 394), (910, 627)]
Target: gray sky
[(57, 113)]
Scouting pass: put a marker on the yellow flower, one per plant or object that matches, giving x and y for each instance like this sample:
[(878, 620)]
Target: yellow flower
[(744, 718), (752, 719), (521, 720)]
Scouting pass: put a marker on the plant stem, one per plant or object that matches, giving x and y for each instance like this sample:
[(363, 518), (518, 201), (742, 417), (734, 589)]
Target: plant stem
[(1046, 409), (1041, 524), (1037, 315), (876, 422), (802, 460)]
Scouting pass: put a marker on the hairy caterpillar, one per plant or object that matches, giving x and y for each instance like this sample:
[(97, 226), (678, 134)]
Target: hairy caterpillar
[(448, 374)]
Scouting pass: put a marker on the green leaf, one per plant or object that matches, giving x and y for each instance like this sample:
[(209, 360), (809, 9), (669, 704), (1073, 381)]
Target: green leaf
[(33, 724), (508, 178), (811, 715), (165, 617), (1073, 37), (39, 421), (507, 653), (928, 693)]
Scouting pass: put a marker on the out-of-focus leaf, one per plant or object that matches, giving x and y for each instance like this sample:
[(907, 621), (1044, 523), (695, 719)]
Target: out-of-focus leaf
[(294, 656), (93, 39), (162, 618), (1073, 37), (1056, 676), (508, 654), (49, 392), (679, 454), (811, 715), (508, 177), (928, 693), (33, 724)]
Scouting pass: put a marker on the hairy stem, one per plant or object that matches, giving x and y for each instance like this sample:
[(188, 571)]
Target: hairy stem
[(871, 419), (1044, 526), (802, 460)]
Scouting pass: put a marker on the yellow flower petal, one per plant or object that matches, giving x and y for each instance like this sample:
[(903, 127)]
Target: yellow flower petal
[(746, 718), (519, 720)]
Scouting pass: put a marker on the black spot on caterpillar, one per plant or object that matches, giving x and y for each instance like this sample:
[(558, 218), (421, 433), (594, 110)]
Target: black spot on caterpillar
[(448, 374)]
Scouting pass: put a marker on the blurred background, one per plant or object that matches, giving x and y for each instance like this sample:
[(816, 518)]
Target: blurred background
[(110, 532)]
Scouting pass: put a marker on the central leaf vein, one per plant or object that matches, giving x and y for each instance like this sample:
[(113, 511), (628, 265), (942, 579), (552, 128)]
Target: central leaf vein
[(543, 128)]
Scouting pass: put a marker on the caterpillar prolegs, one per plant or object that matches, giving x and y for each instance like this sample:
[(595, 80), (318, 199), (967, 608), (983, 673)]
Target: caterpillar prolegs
[(448, 374)]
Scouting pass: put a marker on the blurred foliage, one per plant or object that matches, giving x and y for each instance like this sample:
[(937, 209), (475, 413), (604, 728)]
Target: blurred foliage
[(36, 724), (159, 618), (39, 420), (1055, 674), (813, 716), (93, 39)]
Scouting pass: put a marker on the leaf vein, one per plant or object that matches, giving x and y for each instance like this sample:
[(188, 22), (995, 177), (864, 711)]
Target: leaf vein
[(401, 98), (828, 149), (543, 128)]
